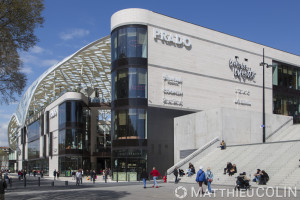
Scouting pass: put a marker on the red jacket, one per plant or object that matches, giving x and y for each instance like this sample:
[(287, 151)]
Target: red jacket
[(155, 173)]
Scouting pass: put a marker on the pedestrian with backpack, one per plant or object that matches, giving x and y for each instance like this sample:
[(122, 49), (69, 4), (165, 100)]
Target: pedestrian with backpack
[(200, 178)]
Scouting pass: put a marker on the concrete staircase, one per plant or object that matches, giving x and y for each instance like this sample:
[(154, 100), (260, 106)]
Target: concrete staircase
[(291, 133), (279, 160), (279, 157)]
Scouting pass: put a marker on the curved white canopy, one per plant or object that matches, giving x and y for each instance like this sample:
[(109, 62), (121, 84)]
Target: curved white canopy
[(87, 70)]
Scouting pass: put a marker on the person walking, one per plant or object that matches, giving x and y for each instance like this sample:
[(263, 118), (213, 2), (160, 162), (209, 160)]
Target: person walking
[(78, 177), (209, 178), (81, 171), (93, 175), (19, 175), (155, 174), (57, 174), (42, 173), (54, 174), (144, 176), (24, 174), (175, 172), (200, 178), (3, 186)]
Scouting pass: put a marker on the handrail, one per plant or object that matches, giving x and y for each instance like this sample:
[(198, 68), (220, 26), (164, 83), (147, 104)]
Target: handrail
[(279, 128), (192, 155), (259, 143)]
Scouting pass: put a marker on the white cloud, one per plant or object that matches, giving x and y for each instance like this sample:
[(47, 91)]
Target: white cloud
[(75, 33), (37, 49), (40, 50), (48, 63), (26, 70), (3, 134), (5, 116), (35, 61)]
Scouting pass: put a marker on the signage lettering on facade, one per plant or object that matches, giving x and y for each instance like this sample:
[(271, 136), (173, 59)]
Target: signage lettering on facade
[(173, 90), (242, 102), (240, 70), (171, 37), (244, 93)]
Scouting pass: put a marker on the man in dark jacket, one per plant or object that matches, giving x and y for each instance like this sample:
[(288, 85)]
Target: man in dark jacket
[(175, 172), (228, 167), (144, 176), (264, 178), (3, 186), (54, 174)]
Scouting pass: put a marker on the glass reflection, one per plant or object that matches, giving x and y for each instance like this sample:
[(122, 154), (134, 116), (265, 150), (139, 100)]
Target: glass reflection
[(129, 83), (129, 42), (130, 124)]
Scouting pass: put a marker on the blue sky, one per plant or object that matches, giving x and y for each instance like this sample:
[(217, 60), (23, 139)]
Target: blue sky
[(72, 24)]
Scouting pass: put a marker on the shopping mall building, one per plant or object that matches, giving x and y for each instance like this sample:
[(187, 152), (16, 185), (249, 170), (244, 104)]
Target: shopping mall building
[(150, 93)]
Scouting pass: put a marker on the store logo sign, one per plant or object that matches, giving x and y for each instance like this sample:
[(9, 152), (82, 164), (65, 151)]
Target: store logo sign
[(171, 37), (240, 70)]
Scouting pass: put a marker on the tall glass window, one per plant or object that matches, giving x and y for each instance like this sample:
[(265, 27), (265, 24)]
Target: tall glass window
[(130, 124), (33, 131), (34, 149), (286, 92), (129, 83), (129, 42), (70, 113), (129, 94)]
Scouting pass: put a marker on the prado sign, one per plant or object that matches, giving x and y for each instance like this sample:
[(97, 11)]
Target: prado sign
[(171, 37), (240, 70)]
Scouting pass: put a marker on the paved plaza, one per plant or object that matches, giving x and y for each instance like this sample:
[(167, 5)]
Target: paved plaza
[(133, 191)]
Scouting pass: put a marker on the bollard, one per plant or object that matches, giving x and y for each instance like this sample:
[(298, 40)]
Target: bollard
[(39, 181), (10, 182), (105, 177), (66, 183), (52, 183)]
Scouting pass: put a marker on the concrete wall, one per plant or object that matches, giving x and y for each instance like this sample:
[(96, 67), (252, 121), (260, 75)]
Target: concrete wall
[(160, 144), (234, 126), (207, 80)]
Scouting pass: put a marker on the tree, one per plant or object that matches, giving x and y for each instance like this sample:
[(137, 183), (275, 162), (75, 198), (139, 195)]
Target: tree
[(18, 19)]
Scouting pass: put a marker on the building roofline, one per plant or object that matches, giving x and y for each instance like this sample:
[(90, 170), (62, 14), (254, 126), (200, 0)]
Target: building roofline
[(225, 33)]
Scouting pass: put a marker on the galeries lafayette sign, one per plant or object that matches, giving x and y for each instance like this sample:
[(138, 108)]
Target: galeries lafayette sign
[(240, 70)]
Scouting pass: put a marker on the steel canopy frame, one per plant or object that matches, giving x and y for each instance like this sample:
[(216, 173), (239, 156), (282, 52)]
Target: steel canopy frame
[(86, 70)]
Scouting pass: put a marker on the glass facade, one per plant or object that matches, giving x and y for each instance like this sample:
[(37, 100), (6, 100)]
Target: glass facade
[(33, 131), (34, 149), (67, 164), (129, 83), (286, 90), (74, 136), (129, 42), (128, 164), (129, 101), (130, 124), (33, 138)]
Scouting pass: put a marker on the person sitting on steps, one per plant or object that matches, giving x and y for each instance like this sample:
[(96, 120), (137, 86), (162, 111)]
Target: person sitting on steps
[(223, 145), (233, 170), (228, 168)]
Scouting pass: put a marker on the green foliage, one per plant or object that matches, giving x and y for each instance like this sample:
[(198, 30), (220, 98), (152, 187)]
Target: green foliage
[(18, 19)]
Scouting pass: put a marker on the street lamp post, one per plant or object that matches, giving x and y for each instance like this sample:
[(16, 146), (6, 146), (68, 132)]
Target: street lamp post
[(264, 114)]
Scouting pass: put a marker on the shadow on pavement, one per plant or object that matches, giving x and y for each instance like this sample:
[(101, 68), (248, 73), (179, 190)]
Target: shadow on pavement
[(80, 194)]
